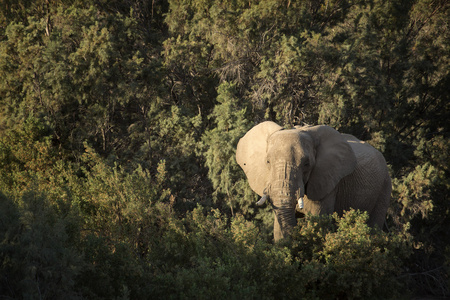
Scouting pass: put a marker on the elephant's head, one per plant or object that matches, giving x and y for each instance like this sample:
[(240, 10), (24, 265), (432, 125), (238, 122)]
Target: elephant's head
[(286, 165)]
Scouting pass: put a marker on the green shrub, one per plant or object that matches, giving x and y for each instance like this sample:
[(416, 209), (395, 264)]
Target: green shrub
[(38, 254), (345, 258)]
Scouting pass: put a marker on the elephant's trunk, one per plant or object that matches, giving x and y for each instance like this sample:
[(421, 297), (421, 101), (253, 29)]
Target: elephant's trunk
[(284, 222), (284, 192)]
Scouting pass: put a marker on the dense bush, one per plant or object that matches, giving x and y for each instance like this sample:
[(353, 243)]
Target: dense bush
[(205, 255), (345, 258)]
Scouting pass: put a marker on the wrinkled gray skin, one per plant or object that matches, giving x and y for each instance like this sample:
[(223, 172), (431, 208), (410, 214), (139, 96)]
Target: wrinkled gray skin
[(329, 171)]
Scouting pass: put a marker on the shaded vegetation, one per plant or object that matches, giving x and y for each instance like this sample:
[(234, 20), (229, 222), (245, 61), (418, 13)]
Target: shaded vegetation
[(118, 127)]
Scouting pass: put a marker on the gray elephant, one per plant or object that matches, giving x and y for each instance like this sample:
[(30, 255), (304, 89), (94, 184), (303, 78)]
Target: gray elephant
[(315, 169)]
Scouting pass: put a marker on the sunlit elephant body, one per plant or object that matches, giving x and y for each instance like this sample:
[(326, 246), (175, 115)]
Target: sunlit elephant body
[(316, 169)]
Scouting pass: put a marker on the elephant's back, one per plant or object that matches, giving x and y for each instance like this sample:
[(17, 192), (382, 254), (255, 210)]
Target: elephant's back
[(366, 155), (363, 187)]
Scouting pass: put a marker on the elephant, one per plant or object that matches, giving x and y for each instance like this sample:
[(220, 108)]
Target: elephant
[(313, 169)]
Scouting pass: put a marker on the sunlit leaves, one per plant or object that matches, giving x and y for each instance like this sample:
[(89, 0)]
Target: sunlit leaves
[(220, 146), (344, 256)]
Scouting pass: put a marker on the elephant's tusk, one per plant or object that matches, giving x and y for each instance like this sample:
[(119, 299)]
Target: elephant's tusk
[(300, 202), (262, 200)]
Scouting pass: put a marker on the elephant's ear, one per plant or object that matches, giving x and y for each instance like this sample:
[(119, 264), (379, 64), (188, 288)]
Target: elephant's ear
[(251, 155), (335, 159)]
